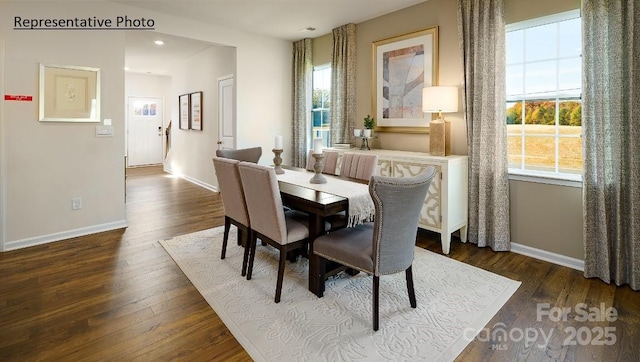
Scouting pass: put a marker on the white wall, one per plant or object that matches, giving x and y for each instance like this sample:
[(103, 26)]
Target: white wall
[(48, 164), (45, 165), (191, 150)]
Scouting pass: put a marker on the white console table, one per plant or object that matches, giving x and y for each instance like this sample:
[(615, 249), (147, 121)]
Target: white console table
[(445, 207)]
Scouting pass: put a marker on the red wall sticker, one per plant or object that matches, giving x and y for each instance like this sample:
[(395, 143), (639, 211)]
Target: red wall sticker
[(14, 97)]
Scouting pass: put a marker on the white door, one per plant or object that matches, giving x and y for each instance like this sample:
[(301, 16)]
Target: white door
[(144, 141), (226, 124)]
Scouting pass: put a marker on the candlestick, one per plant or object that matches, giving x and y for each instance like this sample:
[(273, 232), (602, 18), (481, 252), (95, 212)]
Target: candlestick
[(277, 160), (318, 177), (278, 142)]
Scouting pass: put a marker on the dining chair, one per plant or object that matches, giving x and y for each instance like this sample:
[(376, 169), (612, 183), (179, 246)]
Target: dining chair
[(358, 166), (284, 230), (251, 154), (235, 207), (387, 245), (330, 162), (355, 166)]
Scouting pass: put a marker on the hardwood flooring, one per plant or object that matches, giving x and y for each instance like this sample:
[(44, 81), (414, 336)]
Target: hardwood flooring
[(119, 296)]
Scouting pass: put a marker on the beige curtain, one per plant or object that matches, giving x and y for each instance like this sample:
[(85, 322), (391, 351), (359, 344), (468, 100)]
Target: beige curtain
[(481, 27), (343, 84), (301, 101), (611, 140)]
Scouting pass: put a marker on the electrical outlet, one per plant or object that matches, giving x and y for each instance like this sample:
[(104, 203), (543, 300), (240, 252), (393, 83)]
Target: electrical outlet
[(76, 203)]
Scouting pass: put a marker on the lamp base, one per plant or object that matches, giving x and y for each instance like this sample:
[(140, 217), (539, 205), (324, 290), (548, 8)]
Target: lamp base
[(440, 138)]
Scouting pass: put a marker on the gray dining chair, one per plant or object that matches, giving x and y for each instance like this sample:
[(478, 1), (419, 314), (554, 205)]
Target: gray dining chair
[(284, 230), (387, 245), (251, 154), (330, 162), (235, 207), (358, 166)]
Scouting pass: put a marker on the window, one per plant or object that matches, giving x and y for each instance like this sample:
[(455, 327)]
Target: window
[(320, 117), (544, 86)]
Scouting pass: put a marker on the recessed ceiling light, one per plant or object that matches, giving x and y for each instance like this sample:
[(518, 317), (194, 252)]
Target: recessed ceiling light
[(159, 42)]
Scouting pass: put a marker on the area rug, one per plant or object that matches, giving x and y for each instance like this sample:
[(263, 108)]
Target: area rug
[(455, 301)]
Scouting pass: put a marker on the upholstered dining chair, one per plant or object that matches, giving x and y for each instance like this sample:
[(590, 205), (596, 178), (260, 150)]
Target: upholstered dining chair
[(330, 162), (252, 154), (358, 166), (284, 230), (235, 207), (387, 245)]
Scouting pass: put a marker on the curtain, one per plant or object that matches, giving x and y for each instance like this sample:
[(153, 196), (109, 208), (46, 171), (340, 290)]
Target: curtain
[(611, 134), (301, 101), (343, 84), (481, 27)]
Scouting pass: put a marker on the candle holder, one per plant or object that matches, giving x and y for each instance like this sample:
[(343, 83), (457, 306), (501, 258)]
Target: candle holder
[(318, 178), (277, 160), (365, 143)]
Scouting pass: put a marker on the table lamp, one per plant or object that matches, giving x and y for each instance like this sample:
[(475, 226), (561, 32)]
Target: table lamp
[(440, 99)]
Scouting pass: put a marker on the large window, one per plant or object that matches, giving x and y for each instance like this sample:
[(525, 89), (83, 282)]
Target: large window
[(320, 116), (544, 85)]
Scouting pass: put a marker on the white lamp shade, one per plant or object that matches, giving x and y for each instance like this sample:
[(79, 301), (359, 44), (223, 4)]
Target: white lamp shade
[(440, 99)]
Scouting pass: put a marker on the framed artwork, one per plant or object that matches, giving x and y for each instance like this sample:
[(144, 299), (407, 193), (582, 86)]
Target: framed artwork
[(402, 66), (195, 101), (69, 94), (183, 111)]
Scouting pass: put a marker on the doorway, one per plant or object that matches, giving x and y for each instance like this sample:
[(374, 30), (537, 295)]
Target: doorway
[(145, 133)]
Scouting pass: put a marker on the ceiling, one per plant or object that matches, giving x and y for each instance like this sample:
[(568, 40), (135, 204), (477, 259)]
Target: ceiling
[(284, 19)]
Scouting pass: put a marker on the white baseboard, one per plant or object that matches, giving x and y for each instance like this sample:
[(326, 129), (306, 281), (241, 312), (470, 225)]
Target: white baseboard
[(193, 180), (200, 183), (44, 239), (559, 259)]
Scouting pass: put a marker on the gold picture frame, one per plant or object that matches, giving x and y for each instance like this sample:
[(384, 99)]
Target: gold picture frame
[(69, 94), (402, 66)]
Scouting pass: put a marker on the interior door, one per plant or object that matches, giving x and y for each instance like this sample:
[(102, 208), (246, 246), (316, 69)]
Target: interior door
[(227, 124), (144, 141)]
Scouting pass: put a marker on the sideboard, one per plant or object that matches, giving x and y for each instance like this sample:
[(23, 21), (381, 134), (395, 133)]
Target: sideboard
[(445, 207)]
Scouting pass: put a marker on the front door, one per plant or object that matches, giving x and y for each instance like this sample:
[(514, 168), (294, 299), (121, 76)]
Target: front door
[(144, 141), (226, 127)]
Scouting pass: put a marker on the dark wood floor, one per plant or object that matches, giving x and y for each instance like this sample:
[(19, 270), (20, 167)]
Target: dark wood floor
[(119, 296)]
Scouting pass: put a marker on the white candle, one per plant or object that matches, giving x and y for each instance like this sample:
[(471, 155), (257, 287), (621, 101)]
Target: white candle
[(317, 145), (357, 132), (278, 142)]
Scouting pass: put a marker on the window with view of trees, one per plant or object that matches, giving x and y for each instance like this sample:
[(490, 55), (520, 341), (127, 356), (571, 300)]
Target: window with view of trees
[(320, 116), (544, 86)]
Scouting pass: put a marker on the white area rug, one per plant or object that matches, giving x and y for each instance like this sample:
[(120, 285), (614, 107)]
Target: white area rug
[(455, 301)]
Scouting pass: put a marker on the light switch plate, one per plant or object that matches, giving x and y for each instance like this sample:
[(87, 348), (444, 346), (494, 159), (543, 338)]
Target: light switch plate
[(104, 131)]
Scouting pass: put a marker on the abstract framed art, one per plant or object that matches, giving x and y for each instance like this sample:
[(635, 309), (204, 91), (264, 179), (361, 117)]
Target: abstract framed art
[(402, 66), (183, 111), (69, 94), (195, 112)]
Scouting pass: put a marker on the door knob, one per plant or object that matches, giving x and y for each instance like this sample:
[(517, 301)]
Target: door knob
[(219, 142)]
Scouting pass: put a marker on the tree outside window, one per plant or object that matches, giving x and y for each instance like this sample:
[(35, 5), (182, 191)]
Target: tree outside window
[(544, 85)]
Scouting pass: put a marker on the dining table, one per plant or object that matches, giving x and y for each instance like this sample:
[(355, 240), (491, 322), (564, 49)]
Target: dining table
[(319, 201)]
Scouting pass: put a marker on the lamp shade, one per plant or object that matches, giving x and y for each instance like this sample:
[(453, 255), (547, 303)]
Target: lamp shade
[(440, 99)]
